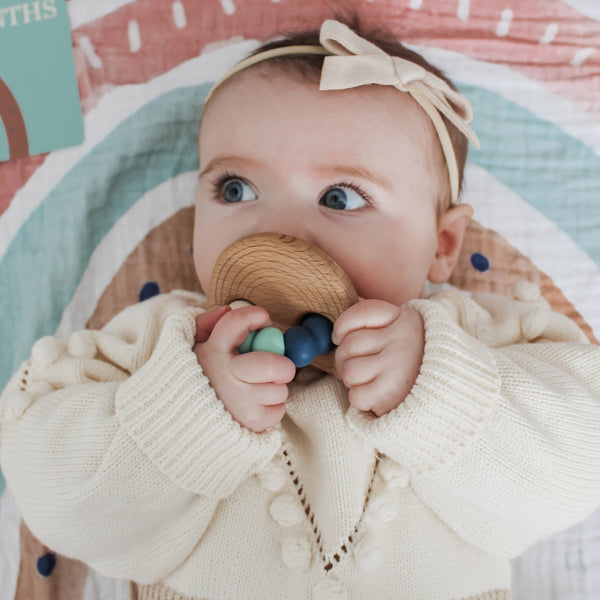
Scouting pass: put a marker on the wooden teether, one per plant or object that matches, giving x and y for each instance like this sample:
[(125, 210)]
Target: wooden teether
[(287, 276)]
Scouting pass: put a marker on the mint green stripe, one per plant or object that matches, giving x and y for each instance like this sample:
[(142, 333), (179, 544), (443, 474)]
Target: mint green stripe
[(555, 173)]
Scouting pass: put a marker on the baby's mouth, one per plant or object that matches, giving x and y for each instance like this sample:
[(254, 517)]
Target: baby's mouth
[(288, 276)]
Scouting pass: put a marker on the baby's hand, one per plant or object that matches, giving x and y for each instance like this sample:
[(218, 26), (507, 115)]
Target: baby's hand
[(252, 386), (379, 354)]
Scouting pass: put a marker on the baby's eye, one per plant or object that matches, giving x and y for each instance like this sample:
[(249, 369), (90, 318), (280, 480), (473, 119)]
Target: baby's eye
[(236, 190), (342, 198)]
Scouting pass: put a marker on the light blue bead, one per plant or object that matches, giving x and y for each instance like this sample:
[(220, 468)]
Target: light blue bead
[(269, 339)]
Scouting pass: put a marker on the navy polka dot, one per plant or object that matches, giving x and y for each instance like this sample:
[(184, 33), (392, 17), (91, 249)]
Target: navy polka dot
[(480, 262), (149, 289), (46, 564)]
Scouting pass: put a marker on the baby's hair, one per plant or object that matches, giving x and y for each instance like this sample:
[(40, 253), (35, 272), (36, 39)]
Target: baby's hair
[(307, 67)]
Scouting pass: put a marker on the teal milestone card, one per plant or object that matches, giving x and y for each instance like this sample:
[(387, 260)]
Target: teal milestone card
[(39, 98)]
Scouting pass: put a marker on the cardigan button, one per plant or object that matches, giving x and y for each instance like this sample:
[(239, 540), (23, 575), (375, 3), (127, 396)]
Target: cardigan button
[(382, 508), (368, 554), (296, 552), (525, 291), (393, 474), (287, 510), (274, 476), (46, 351), (329, 589)]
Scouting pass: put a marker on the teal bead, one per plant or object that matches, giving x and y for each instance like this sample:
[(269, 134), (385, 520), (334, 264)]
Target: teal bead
[(246, 345), (269, 339)]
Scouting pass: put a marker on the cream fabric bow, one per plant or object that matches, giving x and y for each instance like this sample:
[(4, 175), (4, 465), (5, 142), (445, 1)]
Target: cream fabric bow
[(351, 61), (357, 62)]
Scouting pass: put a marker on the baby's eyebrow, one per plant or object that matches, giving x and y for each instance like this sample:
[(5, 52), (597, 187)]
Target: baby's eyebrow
[(355, 171), (229, 160)]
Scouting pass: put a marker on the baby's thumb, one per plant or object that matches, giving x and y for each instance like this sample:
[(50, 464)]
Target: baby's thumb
[(206, 321)]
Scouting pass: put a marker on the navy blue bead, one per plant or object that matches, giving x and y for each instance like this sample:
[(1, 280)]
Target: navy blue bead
[(321, 329), (480, 262), (300, 346), (46, 564), (149, 289)]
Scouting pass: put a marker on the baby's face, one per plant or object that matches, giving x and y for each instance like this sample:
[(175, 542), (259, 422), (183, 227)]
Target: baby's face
[(356, 172)]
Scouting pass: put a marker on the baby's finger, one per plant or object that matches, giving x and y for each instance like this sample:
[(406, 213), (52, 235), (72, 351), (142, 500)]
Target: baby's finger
[(263, 417), (358, 370), (206, 321), (366, 314), (262, 367), (233, 328), (361, 342), (378, 396), (270, 394)]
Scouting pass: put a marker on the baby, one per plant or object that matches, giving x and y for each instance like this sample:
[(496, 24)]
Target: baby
[(446, 443)]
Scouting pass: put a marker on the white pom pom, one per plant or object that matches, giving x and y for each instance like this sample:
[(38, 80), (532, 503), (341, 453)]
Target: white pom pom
[(329, 589), (393, 473), (37, 389), (287, 510), (81, 344), (16, 406), (382, 508), (273, 478), (526, 291), (368, 554), (296, 552), (239, 304), (46, 351)]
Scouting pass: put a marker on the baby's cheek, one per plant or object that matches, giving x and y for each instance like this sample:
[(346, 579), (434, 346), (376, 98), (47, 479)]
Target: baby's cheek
[(372, 279), (203, 263)]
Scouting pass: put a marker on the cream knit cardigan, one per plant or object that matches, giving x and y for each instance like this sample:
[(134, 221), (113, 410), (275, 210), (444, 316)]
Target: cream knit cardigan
[(120, 454)]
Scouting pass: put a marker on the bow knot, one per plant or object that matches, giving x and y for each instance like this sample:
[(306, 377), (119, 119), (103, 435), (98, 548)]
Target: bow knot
[(355, 61), (407, 72)]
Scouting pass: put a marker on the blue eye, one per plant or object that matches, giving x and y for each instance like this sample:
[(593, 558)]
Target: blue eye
[(342, 198), (236, 190)]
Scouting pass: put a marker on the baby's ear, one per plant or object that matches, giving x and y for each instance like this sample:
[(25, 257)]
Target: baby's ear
[(451, 232)]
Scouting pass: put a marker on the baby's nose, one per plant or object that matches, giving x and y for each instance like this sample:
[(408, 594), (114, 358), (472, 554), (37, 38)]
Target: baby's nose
[(290, 223)]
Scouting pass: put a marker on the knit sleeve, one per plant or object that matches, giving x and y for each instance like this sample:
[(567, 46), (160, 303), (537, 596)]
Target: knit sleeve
[(96, 427), (501, 438)]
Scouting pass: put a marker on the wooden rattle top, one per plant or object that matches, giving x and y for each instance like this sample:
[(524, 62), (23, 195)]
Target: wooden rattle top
[(287, 276)]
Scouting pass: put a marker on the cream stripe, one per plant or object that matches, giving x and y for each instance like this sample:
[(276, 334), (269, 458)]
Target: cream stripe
[(590, 8), (528, 93), (101, 587), (86, 11), (572, 270), (161, 592)]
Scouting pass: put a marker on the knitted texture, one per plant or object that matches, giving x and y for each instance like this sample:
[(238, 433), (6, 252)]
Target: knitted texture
[(160, 592), (120, 454)]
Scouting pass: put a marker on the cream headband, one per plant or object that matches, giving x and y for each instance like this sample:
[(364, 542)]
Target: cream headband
[(351, 61)]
